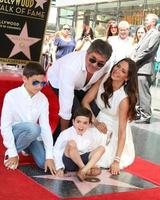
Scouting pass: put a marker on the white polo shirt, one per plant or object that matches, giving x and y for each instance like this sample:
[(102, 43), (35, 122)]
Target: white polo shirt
[(68, 74)]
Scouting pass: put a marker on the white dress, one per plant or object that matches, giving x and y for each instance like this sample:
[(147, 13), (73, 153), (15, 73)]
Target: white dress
[(110, 117)]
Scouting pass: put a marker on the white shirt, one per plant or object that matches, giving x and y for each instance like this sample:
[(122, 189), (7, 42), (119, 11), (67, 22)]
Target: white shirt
[(19, 107), (84, 144), (122, 48), (68, 74)]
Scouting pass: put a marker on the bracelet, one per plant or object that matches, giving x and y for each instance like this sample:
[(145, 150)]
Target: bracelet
[(117, 158)]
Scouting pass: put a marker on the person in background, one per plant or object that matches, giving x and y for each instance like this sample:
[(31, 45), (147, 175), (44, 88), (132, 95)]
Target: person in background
[(87, 31), (72, 150), (112, 29), (63, 43), (140, 32), (71, 76), (116, 96), (85, 40), (24, 121), (144, 56), (122, 43)]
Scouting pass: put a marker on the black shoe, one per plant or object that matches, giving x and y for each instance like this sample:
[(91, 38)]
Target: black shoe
[(138, 116), (143, 120)]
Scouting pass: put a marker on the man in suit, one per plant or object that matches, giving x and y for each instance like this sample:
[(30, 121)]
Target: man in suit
[(144, 55)]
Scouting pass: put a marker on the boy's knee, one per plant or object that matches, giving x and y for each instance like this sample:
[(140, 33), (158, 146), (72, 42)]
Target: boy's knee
[(34, 129), (102, 149), (71, 144)]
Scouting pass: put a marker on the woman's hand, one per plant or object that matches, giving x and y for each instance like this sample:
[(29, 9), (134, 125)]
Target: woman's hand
[(114, 168), (101, 126)]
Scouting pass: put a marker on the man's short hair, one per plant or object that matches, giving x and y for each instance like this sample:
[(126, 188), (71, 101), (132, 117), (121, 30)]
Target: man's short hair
[(33, 68), (154, 17), (101, 47), (81, 111), (123, 24)]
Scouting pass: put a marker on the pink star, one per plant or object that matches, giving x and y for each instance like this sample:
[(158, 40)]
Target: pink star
[(40, 3), (85, 187), (22, 42)]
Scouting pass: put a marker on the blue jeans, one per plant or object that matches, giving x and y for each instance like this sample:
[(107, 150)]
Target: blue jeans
[(25, 134)]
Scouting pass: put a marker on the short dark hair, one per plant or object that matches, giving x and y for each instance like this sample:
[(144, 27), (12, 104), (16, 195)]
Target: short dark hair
[(81, 111), (33, 68), (101, 47)]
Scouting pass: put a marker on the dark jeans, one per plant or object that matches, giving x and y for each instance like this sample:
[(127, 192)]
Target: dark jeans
[(78, 96), (72, 166)]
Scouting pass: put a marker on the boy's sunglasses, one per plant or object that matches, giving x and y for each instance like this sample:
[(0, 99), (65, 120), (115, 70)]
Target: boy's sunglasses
[(99, 64), (36, 83)]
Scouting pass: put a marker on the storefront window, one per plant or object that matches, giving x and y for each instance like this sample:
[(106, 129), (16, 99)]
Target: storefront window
[(97, 15), (66, 16)]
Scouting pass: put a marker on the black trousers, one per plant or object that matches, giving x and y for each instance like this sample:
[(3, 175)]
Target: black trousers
[(78, 96)]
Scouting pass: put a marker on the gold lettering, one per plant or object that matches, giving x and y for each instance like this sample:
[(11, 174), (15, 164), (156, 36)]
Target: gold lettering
[(18, 2), (25, 3)]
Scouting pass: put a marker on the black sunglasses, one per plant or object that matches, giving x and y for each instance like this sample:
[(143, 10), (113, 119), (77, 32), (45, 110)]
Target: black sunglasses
[(99, 64), (66, 29), (36, 83)]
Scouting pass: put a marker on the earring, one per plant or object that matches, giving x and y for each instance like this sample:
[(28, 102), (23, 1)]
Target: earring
[(126, 82)]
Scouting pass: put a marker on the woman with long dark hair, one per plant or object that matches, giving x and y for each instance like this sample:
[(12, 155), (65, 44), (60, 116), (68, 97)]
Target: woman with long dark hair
[(116, 97)]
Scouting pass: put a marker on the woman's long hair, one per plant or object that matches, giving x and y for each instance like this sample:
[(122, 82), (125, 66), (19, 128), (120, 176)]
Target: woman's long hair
[(130, 87)]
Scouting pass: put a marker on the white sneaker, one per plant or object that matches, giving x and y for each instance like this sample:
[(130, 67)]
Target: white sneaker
[(24, 153)]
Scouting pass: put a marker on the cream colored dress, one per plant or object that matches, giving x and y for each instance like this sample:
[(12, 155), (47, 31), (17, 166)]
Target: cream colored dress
[(110, 117)]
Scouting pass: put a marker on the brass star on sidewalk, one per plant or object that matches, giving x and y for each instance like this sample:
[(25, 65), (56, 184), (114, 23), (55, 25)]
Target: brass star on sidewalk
[(22, 42), (85, 187)]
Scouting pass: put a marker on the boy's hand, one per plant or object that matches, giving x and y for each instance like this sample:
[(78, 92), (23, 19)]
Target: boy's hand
[(60, 173), (49, 164), (11, 163)]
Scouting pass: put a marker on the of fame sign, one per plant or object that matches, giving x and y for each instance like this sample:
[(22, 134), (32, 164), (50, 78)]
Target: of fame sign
[(22, 27)]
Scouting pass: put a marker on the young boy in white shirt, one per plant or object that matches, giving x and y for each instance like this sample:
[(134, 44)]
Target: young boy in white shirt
[(73, 151), (24, 121)]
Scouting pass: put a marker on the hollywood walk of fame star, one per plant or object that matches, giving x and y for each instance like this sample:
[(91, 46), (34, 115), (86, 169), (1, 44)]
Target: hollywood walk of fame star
[(40, 3), (22, 42), (85, 187)]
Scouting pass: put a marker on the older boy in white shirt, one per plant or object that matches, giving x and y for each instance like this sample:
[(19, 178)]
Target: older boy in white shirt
[(25, 118)]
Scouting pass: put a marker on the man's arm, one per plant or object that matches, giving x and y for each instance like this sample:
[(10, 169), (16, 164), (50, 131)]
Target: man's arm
[(64, 124)]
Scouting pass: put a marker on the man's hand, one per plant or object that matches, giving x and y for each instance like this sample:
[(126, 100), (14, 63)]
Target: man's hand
[(49, 164), (11, 163), (101, 127)]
